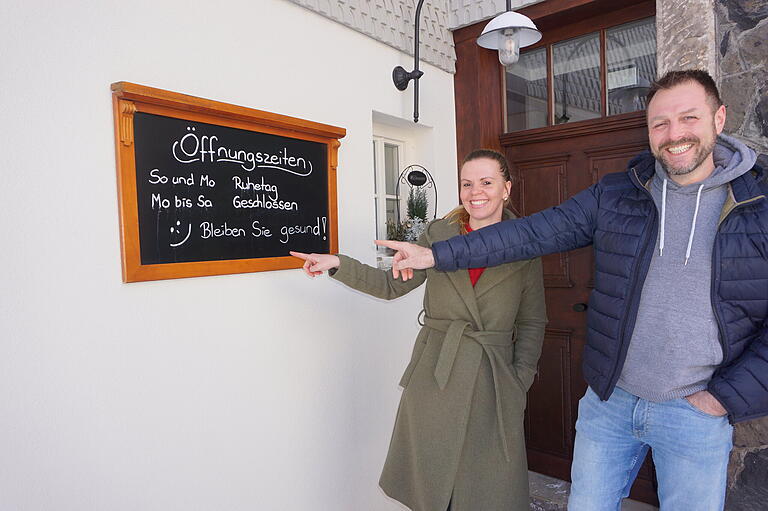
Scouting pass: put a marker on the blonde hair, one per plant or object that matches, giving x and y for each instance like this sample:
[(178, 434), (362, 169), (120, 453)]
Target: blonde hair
[(459, 214)]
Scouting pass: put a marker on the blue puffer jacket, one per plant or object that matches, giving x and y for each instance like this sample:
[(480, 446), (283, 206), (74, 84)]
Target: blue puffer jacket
[(618, 216)]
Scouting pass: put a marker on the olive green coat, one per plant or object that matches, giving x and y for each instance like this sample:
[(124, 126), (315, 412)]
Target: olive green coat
[(459, 428)]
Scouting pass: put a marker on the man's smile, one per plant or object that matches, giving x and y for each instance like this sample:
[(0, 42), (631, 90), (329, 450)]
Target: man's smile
[(679, 149)]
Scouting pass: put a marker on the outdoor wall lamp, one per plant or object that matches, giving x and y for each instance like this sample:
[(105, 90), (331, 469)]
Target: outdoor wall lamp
[(507, 33), (401, 77)]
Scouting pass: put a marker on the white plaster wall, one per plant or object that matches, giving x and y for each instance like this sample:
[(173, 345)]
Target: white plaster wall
[(264, 391)]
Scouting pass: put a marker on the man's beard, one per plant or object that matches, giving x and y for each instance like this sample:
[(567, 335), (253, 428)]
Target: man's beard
[(702, 152)]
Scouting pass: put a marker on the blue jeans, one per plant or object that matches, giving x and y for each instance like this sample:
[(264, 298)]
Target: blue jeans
[(690, 450)]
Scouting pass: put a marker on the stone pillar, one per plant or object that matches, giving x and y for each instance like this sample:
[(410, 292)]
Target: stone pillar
[(742, 51), (685, 35), (728, 38)]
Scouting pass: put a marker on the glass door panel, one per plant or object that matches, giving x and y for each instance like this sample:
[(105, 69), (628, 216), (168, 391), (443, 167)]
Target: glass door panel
[(527, 92), (630, 57), (576, 70)]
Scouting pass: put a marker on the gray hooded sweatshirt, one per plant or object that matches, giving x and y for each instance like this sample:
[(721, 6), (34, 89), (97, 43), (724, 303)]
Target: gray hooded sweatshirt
[(675, 345)]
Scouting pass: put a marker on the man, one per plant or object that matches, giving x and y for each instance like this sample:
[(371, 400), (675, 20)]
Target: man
[(677, 328)]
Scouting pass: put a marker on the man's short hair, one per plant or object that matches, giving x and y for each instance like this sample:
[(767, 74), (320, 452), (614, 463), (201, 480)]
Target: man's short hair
[(673, 78)]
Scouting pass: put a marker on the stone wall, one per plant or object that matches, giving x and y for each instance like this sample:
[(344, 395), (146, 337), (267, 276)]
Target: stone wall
[(742, 51)]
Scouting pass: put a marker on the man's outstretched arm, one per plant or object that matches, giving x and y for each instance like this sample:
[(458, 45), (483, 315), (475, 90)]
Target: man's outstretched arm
[(564, 227)]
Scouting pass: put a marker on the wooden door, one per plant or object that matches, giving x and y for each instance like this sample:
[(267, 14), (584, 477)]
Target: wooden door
[(550, 165)]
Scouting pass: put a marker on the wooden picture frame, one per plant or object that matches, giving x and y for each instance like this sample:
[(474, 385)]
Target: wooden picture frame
[(129, 99)]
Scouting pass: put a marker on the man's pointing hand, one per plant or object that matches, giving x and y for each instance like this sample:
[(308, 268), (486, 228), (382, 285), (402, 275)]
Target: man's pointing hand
[(409, 257)]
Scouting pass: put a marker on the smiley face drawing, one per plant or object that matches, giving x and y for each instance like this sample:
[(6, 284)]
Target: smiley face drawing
[(177, 230)]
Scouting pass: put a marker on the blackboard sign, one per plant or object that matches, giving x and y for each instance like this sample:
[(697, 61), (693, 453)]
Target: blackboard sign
[(210, 192), (213, 192)]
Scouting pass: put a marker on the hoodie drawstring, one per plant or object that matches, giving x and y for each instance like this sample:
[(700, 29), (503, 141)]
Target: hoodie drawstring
[(693, 225), (664, 219), (663, 216)]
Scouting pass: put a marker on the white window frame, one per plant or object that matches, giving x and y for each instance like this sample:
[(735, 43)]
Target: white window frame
[(379, 168)]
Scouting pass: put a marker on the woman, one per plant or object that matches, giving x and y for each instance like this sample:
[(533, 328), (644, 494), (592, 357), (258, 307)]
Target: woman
[(458, 441)]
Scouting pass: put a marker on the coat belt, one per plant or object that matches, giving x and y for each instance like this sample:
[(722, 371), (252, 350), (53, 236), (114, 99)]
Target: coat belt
[(454, 331)]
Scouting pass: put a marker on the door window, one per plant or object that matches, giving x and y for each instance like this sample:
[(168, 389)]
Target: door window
[(630, 55), (527, 91), (602, 73), (576, 66)]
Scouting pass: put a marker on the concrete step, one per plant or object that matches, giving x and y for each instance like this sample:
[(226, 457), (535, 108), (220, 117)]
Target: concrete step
[(550, 494)]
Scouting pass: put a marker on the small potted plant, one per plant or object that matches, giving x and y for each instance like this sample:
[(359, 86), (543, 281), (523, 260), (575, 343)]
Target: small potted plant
[(411, 227)]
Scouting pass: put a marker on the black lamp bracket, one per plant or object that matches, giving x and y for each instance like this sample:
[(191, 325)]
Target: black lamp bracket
[(401, 77)]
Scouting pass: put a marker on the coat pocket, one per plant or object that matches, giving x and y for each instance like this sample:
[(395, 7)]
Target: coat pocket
[(418, 349)]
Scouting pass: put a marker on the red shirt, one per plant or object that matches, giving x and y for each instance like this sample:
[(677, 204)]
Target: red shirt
[(474, 273)]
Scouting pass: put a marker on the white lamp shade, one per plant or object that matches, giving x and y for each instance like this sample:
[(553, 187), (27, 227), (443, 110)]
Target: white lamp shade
[(529, 34)]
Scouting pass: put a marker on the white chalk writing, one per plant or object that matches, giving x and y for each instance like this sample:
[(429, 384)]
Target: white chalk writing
[(205, 148)]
